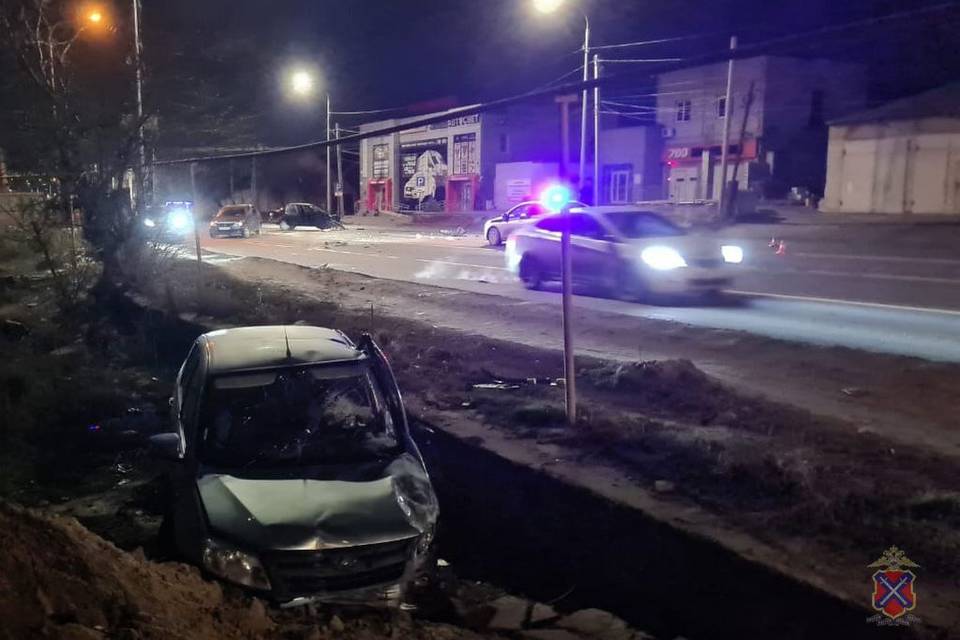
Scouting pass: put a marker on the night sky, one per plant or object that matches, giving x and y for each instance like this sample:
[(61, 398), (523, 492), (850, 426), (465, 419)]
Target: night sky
[(214, 67)]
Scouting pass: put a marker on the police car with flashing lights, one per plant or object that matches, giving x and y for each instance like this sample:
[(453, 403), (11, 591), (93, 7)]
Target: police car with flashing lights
[(624, 252), (171, 222)]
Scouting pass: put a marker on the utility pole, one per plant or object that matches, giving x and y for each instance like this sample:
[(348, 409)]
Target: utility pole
[(339, 174), (725, 149), (583, 102), (565, 102), (566, 305), (195, 220), (596, 132), (137, 52), (329, 185), (253, 183)]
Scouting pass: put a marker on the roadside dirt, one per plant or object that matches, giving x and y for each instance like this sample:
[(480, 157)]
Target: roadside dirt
[(907, 400), (825, 495)]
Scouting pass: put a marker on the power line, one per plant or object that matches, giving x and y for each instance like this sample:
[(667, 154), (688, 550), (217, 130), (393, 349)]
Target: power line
[(643, 43), (744, 51), (641, 60)]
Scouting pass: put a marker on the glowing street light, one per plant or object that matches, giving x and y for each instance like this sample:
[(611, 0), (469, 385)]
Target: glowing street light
[(301, 82), (547, 6), (95, 17)]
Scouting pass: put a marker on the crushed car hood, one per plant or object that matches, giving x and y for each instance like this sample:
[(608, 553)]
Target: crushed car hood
[(314, 514)]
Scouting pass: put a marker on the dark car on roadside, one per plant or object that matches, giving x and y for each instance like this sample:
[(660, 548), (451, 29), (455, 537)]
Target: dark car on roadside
[(294, 473), (235, 221), (302, 214)]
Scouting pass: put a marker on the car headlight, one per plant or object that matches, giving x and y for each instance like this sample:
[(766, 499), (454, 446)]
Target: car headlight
[(148, 222), (240, 223), (234, 565), (732, 253), (662, 258), (179, 220)]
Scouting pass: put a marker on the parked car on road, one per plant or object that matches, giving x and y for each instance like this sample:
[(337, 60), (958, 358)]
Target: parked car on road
[(302, 214), (241, 220), (622, 251), (295, 473), (498, 229)]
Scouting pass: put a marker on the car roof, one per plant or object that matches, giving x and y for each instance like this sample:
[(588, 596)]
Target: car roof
[(246, 348)]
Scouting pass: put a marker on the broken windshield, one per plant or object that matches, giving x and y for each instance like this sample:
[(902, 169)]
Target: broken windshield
[(328, 414)]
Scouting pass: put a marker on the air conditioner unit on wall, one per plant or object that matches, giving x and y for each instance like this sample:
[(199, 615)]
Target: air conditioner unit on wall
[(668, 132)]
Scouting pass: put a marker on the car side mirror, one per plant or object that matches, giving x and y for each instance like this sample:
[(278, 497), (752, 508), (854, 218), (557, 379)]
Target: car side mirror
[(165, 446)]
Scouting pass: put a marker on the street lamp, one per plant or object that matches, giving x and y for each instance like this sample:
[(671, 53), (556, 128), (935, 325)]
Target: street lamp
[(302, 86), (301, 82), (95, 16), (552, 6)]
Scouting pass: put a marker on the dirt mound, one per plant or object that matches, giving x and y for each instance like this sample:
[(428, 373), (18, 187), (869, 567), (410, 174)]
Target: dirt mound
[(58, 580)]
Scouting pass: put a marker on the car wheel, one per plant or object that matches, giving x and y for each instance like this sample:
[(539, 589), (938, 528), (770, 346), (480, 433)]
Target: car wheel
[(531, 273), (493, 237), (259, 231), (213, 235), (246, 233)]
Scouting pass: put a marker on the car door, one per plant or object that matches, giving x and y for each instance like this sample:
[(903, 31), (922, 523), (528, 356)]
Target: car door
[(391, 391), (591, 250), (511, 220), (544, 245), (188, 514)]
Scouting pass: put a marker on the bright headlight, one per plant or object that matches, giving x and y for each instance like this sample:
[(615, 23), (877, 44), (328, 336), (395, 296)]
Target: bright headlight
[(148, 222), (179, 219), (234, 565), (732, 253), (662, 258)]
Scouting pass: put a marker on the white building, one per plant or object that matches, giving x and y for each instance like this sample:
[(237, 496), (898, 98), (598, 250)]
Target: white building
[(777, 123), (450, 165), (900, 158)]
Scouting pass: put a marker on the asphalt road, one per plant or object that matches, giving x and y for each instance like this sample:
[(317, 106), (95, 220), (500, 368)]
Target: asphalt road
[(891, 297)]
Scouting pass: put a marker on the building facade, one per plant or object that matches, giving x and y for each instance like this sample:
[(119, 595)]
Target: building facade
[(901, 158), (630, 165), (451, 165), (778, 113)]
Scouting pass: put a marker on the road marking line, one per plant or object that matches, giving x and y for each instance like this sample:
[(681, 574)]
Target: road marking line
[(856, 303), (882, 276), (354, 253), (878, 258), (461, 264)]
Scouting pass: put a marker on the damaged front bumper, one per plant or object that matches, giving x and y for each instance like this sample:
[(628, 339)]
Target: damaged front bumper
[(375, 575)]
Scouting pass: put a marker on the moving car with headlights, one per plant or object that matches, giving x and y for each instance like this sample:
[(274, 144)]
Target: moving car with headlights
[(235, 220), (170, 223), (302, 214), (498, 229), (295, 473), (625, 252)]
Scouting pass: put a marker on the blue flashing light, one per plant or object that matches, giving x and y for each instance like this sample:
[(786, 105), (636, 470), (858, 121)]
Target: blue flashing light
[(556, 197)]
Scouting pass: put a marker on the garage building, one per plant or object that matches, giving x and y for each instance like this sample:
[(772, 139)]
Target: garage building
[(901, 158)]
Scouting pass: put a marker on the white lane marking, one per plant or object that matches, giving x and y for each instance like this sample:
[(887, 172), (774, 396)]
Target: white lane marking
[(856, 303), (831, 256), (354, 253), (272, 244), (461, 264), (882, 276), (856, 274)]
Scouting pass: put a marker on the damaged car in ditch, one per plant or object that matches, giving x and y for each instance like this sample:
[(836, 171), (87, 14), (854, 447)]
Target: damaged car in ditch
[(295, 473)]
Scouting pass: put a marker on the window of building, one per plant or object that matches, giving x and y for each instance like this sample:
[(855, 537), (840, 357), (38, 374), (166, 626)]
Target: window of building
[(504, 143), (683, 110), (816, 108), (722, 107)]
